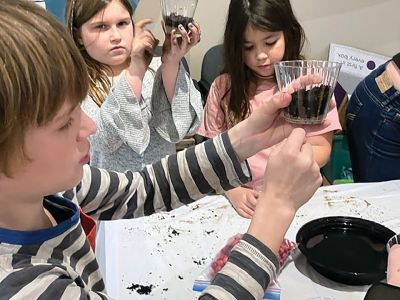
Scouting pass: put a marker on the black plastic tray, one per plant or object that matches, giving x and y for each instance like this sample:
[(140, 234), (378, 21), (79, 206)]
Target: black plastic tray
[(346, 249)]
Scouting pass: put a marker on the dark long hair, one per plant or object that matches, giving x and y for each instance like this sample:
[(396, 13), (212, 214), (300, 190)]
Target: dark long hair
[(268, 15), (78, 12)]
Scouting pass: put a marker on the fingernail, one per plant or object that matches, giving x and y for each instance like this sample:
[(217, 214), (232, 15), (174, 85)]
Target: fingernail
[(190, 25), (180, 27)]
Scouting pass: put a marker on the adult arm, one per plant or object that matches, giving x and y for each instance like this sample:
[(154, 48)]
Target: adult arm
[(292, 176)]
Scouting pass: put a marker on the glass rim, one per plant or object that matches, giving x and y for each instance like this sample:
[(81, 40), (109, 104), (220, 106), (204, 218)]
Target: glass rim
[(307, 63)]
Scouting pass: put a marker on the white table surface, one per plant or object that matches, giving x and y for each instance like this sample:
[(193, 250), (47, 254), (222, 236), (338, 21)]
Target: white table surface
[(167, 251)]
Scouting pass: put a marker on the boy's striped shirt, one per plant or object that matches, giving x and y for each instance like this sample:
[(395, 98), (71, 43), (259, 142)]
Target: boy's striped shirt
[(57, 263)]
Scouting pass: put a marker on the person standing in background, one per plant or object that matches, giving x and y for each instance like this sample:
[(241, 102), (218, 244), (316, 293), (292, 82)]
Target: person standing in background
[(373, 124)]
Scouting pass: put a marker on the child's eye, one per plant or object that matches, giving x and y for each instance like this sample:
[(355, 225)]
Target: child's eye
[(123, 23), (67, 125), (271, 43), (247, 48), (101, 26)]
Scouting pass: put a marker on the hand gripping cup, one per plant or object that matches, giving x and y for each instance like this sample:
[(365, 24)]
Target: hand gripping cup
[(310, 102), (176, 12)]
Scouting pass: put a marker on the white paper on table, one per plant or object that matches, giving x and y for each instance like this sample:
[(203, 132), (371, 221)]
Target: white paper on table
[(146, 251), (166, 250), (378, 202)]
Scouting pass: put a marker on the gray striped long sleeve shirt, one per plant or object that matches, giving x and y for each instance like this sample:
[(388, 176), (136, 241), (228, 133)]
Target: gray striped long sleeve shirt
[(58, 263)]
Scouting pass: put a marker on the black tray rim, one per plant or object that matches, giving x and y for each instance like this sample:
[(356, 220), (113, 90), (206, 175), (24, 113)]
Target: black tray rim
[(342, 222)]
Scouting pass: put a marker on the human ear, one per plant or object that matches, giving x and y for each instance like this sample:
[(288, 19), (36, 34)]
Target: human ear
[(79, 40), (78, 37)]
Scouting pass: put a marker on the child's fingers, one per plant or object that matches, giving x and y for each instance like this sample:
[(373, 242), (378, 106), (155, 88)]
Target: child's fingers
[(173, 38), (149, 47), (252, 201), (197, 25), (140, 25), (184, 35), (332, 104), (246, 212), (147, 34), (195, 33), (149, 39)]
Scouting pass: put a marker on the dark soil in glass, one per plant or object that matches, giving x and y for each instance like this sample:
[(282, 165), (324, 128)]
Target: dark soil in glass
[(173, 21), (309, 106)]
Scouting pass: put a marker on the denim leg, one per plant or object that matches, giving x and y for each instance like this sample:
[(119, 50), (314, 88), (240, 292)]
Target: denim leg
[(373, 123)]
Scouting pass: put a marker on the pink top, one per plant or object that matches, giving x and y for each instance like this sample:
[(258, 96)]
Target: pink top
[(213, 118)]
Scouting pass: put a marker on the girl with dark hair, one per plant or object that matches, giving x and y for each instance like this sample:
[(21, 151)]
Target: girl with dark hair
[(258, 34), (142, 105)]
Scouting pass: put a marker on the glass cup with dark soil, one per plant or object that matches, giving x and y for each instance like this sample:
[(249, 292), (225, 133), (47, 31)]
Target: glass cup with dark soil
[(177, 12), (310, 102)]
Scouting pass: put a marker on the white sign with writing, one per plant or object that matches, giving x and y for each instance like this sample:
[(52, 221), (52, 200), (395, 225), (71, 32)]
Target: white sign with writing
[(356, 64)]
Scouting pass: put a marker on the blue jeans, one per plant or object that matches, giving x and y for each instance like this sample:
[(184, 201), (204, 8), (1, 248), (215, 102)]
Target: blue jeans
[(373, 124)]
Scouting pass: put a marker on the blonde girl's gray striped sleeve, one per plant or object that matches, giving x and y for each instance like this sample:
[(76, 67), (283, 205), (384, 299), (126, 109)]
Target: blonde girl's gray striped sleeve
[(208, 168), (173, 121), (250, 268), (121, 119)]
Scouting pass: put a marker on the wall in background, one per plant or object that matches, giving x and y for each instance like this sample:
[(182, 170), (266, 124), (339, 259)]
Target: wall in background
[(57, 7), (372, 25)]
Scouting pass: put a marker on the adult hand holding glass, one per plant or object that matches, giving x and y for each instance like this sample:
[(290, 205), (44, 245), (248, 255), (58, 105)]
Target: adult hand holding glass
[(263, 128), (310, 102)]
